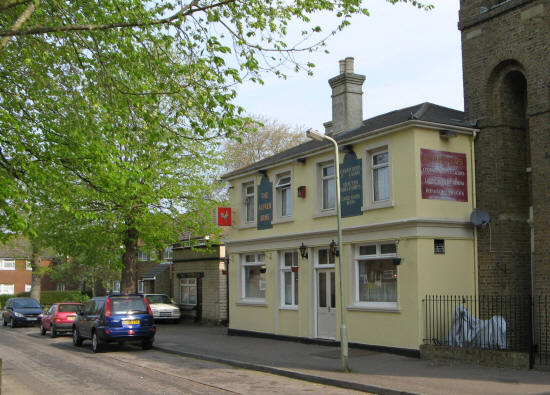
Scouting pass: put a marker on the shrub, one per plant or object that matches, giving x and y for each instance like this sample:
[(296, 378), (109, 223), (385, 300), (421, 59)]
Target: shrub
[(51, 297), (4, 299)]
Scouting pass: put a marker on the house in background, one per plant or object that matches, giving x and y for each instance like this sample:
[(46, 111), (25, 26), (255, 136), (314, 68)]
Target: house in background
[(407, 191), (16, 271), (193, 273)]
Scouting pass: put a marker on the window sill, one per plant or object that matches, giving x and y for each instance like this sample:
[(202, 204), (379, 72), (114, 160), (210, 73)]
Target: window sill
[(12, 269), (246, 226), (282, 220), (376, 206), (385, 308), (252, 302), (321, 214), (290, 308)]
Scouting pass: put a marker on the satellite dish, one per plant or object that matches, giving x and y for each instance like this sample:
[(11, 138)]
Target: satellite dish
[(479, 217)]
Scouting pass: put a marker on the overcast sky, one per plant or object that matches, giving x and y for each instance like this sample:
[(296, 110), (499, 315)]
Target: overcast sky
[(408, 56)]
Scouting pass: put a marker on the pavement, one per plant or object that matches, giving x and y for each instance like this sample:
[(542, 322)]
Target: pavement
[(373, 372)]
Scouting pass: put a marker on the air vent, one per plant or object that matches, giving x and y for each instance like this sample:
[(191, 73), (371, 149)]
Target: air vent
[(439, 246)]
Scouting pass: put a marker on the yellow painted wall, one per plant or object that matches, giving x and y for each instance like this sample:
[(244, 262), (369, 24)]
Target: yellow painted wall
[(421, 271)]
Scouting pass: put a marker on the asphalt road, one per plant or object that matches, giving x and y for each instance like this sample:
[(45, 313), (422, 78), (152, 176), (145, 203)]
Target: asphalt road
[(34, 364)]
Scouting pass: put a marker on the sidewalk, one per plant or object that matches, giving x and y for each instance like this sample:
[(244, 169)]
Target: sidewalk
[(371, 371)]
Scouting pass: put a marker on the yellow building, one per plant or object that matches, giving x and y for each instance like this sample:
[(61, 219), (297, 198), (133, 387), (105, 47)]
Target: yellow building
[(407, 194)]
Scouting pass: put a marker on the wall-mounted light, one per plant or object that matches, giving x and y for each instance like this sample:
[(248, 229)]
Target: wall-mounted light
[(334, 249), (303, 251)]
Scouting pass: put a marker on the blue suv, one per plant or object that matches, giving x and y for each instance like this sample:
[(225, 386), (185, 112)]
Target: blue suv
[(115, 318)]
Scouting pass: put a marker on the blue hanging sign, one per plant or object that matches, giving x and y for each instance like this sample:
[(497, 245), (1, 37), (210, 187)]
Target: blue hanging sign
[(351, 185), (265, 204)]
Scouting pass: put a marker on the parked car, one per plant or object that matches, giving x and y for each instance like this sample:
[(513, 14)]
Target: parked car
[(163, 307), (59, 318), (21, 311), (115, 318)]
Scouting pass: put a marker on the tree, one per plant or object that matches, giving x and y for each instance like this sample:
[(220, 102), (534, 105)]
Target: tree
[(114, 111), (267, 137)]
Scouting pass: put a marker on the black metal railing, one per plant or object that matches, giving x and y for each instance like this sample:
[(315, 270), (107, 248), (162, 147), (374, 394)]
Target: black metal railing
[(497, 322)]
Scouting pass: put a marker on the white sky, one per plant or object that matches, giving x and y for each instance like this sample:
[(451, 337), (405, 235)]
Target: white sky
[(408, 56)]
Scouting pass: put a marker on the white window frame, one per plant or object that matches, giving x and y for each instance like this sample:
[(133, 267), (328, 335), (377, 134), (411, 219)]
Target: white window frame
[(28, 265), (187, 284), (140, 286), (368, 176), (320, 163), (7, 264), (293, 277), (245, 221), (28, 287), (142, 256), (168, 253), (329, 264), (259, 260), (280, 189), (374, 257), (116, 286), (7, 289), (327, 179)]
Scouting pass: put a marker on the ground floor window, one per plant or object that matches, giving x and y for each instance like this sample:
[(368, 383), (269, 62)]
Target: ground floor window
[(253, 276), (376, 274), (188, 291), (7, 289), (140, 286), (289, 278)]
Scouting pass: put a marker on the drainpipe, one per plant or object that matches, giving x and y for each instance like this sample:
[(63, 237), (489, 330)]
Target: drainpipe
[(533, 276), (474, 202)]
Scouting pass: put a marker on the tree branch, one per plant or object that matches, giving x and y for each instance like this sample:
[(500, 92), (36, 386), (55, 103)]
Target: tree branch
[(19, 22)]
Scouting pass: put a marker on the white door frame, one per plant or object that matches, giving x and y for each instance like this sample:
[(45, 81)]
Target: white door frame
[(315, 299)]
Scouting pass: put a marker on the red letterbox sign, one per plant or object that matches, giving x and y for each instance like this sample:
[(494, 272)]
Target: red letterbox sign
[(224, 216), (444, 175)]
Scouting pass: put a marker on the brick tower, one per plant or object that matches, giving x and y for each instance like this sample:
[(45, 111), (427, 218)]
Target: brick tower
[(506, 68)]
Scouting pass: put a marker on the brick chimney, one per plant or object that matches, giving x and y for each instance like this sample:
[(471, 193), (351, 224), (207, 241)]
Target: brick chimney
[(347, 99)]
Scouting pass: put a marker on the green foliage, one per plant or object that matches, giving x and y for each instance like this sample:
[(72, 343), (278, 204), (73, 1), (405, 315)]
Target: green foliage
[(51, 297), (4, 299)]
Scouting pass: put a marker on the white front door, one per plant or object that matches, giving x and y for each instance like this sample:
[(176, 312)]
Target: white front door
[(326, 304)]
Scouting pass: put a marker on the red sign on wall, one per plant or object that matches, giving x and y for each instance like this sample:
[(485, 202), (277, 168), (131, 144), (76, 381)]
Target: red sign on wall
[(224, 216), (443, 175)]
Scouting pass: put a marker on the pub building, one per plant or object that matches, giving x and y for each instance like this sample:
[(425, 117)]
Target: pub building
[(407, 191)]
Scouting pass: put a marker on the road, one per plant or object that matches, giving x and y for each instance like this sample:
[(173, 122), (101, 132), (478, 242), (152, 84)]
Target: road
[(34, 364)]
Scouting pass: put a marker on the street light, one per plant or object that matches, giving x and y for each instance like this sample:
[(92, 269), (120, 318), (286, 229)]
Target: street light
[(315, 135)]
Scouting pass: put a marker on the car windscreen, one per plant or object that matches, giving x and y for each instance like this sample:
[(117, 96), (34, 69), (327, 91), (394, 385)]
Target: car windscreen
[(23, 303), (69, 308), (121, 306), (158, 299)]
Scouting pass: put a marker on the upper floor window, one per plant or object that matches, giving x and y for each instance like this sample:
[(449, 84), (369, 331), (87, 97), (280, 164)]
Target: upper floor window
[(142, 256), (328, 181), (7, 289), (7, 264), (168, 253), (249, 203), (253, 276), (28, 265), (289, 279), (284, 195), (380, 176)]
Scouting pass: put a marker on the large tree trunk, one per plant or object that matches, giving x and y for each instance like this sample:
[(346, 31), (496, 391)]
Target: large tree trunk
[(128, 283), (36, 272)]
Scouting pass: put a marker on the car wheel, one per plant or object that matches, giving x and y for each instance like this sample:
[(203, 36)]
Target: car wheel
[(53, 332), (11, 323), (96, 343), (77, 340), (147, 344), (4, 322), (42, 330)]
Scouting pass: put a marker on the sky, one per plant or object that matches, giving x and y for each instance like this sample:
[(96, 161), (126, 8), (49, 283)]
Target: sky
[(408, 56)]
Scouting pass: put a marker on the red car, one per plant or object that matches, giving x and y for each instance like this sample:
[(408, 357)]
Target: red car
[(59, 318)]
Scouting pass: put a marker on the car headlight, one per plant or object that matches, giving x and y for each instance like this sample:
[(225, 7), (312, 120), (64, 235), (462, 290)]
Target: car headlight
[(19, 315)]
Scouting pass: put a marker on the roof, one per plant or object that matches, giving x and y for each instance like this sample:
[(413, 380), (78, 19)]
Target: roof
[(155, 271), (424, 112)]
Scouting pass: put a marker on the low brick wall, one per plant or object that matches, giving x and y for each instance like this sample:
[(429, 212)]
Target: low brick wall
[(476, 356)]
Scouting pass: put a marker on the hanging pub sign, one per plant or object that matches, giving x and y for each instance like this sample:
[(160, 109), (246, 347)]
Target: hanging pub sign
[(224, 216), (443, 175), (351, 185), (265, 204)]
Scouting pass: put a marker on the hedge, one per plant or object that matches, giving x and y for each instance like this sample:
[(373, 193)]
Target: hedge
[(47, 298)]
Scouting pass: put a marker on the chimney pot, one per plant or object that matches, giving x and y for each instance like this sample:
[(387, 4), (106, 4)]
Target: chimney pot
[(349, 65), (342, 66)]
